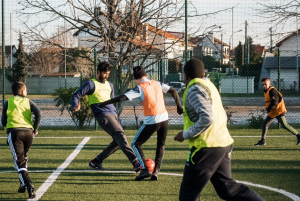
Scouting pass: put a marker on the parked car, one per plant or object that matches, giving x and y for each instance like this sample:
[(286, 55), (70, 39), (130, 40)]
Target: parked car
[(179, 86)]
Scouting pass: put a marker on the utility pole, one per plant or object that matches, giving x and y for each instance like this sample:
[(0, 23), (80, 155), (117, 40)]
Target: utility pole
[(221, 48), (3, 53), (65, 51), (232, 28), (248, 62), (10, 42), (245, 44), (186, 34), (271, 45), (231, 41), (297, 42)]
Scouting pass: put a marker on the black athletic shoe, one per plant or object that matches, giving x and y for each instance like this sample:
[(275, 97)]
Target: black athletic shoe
[(143, 174), (261, 142), (96, 166), (154, 176), (298, 138), (30, 190), (137, 166), (22, 189)]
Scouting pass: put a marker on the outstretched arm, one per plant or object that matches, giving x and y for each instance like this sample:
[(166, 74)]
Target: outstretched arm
[(113, 100), (176, 97), (87, 88)]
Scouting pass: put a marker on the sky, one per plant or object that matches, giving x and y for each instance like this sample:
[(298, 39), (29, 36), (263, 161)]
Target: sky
[(242, 10)]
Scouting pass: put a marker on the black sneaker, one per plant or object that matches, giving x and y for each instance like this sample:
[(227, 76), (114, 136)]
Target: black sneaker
[(261, 142), (154, 176), (96, 166), (143, 174), (22, 189), (298, 138), (30, 190), (137, 166)]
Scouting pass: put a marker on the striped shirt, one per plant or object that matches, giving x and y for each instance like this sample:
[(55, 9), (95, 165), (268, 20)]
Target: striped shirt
[(198, 107)]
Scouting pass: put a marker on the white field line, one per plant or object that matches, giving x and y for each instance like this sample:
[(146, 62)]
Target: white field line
[(283, 192), (51, 179), (252, 136)]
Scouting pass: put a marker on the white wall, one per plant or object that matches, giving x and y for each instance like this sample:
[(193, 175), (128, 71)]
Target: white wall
[(289, 47), (287, 76), (237, 84)]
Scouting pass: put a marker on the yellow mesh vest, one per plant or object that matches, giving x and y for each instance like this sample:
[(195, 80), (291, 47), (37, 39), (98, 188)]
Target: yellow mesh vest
[(102, 92), (19, 113), (217, 134)]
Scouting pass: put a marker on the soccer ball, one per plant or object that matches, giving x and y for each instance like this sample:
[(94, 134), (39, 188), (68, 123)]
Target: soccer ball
[(150, 164)]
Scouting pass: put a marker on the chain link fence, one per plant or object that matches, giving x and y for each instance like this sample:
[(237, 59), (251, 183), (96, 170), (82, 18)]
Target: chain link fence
[(63, 62)]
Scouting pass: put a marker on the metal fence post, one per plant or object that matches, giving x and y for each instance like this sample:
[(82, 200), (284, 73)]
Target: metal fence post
[(186, 33), (218, 82), (3, 53), (279, 70), (95, 66), (160, 71), (279, 83)]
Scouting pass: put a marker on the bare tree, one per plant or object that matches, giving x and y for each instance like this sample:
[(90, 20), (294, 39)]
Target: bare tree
[(46, 60), (278, 14), (116, 28)]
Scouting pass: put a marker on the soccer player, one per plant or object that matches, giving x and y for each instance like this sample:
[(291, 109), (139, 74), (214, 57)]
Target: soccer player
[(100, 90), (276, 110), (17, 118), (205, 129), (150, 93)]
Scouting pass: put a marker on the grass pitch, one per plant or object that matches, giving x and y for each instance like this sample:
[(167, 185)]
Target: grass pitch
[(275, 165)]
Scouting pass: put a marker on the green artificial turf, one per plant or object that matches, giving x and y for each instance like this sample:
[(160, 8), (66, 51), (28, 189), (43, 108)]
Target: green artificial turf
[(275, 165)]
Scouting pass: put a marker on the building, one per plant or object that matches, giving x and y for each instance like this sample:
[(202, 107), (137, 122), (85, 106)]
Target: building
[(152, 42), (210, 46), (172, 43), (289, 64), (289, 45), (289, 72), (9, 56)]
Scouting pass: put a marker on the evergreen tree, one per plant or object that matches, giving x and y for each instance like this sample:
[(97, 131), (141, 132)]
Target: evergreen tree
[(252, 50), (210, 63), (19, 72), (239, 55)]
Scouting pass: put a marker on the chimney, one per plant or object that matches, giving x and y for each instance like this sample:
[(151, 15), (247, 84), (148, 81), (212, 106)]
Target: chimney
[(145, 33), (97, 11)]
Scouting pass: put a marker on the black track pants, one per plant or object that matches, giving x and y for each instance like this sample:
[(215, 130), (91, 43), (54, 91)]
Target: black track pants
[(19, 142), (143, 134), (213, 164)]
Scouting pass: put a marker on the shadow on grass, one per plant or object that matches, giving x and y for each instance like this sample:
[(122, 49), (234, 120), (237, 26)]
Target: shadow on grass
[(263, 149), (8, 194)]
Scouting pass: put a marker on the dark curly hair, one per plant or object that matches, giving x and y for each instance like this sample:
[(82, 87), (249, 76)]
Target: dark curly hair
[(104, 66)]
